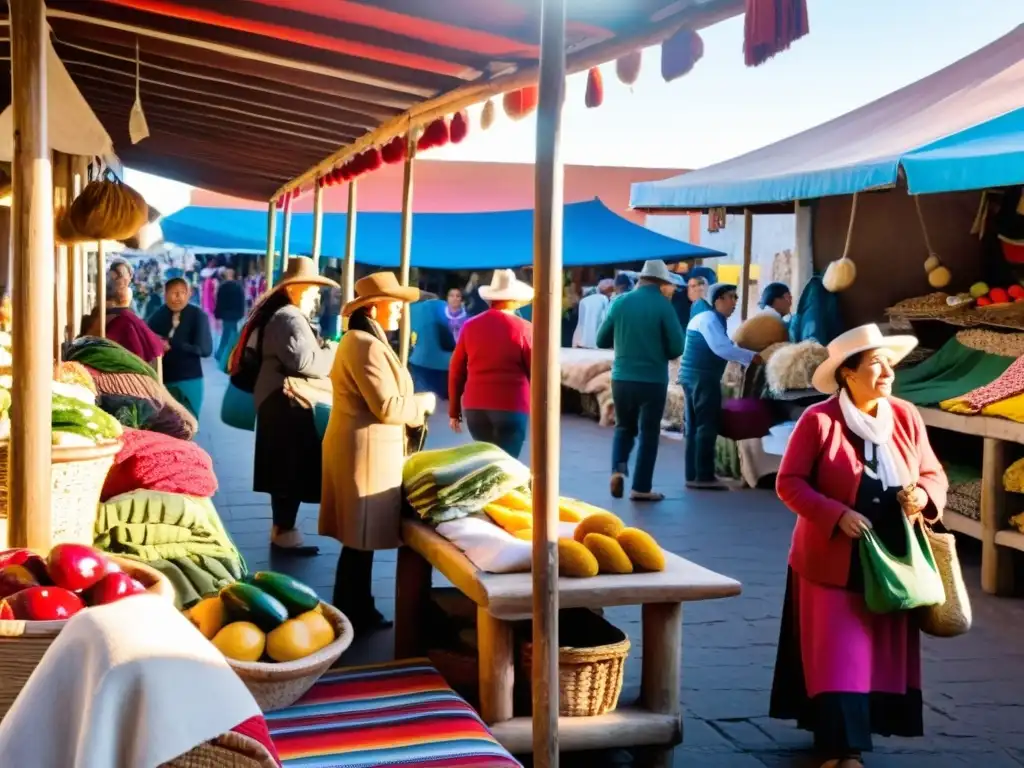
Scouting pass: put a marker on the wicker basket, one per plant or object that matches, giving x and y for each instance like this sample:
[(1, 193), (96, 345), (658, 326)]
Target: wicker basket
[(77, 477), (277, 685), (589, 676), (23, 643)]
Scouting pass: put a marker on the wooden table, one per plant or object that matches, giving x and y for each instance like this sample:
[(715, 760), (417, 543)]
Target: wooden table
[(501, 599)]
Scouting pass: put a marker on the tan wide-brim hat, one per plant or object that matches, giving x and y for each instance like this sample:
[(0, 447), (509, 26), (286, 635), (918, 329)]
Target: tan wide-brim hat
[(301, 270), (505, 286), (380, 286), (862, 339)]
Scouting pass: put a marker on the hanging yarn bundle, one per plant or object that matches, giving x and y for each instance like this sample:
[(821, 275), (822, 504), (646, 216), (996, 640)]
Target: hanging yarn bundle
[(487, 115), (393, 152), (680, 53), (459, 127), (627, 67), (436, 134), (595, 88), (107, 209), (771, 26), (842, 273), (519, 104), (939, 276)]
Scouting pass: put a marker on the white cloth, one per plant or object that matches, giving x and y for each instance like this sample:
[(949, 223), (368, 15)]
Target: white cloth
[(127, 685), (592, 310), (490, 547), (709, 325), (773, 312), (876, 432)]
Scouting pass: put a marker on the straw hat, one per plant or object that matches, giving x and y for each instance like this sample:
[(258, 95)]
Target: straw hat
[(380, 286), (655, 269), (505, 286), (862, 339), (301, 270)]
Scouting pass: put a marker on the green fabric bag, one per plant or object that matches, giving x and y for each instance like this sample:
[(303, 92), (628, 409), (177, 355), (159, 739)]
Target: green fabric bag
[(900, 583)]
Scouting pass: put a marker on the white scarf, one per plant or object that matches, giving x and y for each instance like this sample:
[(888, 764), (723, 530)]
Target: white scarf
[(876, 431)]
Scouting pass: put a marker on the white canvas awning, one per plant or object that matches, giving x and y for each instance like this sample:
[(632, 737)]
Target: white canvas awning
[(72, 127)]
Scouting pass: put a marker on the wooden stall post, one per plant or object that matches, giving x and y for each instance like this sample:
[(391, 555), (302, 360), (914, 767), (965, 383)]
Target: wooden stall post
[(32, 294), (748, 244), (405, 251), (61, 165), (545, 383), (348, 265), (80, 269), (271, 241), (101, 288), (286, 234), (996, 565), (318, 222)]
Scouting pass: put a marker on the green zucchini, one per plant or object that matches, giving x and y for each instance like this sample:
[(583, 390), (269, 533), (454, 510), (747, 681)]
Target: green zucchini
[(297, 597), (244, 602)]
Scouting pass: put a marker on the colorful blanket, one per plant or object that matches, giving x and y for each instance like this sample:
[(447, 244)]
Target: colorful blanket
[(171, 417), (106, 356), (155, 462), (400, 713), (950, 373), (1010, 384), (449, 483)]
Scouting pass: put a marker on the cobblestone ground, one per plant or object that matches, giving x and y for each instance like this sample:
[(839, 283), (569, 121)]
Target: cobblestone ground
[(974, 685)]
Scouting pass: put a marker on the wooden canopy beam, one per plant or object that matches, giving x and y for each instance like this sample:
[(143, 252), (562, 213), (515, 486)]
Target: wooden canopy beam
[(241, 185)]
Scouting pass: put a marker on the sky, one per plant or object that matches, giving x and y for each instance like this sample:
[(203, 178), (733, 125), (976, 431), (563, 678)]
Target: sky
[(857, 51)]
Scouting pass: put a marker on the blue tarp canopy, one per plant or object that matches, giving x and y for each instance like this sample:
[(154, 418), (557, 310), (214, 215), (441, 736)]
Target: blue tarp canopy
[(593, 235), (961, 128)]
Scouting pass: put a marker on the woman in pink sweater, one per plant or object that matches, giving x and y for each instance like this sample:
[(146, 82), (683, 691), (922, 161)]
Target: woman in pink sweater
[(489, 374), (856, 461)]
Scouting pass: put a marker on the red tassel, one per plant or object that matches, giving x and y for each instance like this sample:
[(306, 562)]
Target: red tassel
[(680, 53), (346, 171), (372, 159), (595, 88), (459, 127), (394, 151), (434, 135), (519, 104), (771, 26)]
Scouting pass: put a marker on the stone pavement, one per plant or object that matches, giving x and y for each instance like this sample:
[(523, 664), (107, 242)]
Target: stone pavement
[(974, 685)]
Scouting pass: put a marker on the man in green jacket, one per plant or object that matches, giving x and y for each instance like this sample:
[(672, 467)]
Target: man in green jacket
[(645, 333)]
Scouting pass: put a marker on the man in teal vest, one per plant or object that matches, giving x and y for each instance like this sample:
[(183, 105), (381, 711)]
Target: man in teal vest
[(645, 333), (432, 353), (708, 350)]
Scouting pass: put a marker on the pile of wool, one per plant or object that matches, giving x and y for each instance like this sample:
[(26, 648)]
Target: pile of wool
[(791, 366)]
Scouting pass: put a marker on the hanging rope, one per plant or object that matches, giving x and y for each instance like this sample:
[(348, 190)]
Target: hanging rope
[(842, 272), (849, 229), (924, 226), (938, 275)]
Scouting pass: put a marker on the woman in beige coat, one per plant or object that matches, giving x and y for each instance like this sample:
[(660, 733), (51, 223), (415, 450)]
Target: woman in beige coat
[(365, 442)]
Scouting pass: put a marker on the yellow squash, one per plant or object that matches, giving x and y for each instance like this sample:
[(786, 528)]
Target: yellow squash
[(575, 560), (208, 616), (241, 641), (320, 628), (642, 550), (511, 520), (600, 522), (294, 639), (516, 500)]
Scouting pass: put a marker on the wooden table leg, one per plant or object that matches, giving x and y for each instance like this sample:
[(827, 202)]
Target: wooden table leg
[(660, 676), (413, 575), (496, 651), (996, 562)]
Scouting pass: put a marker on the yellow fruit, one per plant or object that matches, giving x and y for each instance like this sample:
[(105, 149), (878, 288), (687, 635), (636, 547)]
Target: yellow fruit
[(839, 275), (516, 500), (208, 616), (611, 558), (599, 522), (526, 534), (642, 549), (319, 627), (978, 290), (569, 511), (575, 560), (511, 520), (292, 640), (241, 641), (939, 277)]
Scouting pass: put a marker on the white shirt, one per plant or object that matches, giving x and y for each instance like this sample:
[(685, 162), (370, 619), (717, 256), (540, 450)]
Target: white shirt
[(592, 310), (773, 312), (709, 325)]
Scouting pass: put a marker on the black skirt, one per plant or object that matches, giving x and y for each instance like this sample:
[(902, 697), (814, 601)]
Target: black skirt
[(287, 459)]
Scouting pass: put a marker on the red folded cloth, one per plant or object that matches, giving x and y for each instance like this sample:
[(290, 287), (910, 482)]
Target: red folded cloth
[(156, 462), (131, 332)]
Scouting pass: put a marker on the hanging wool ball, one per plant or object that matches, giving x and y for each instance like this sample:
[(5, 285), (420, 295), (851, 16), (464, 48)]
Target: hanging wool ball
[(434, 135), (345, 172), (931, 263), (372, 159), (488, 115), (519, 104), (680, 53), (627, 67), (394, 151), (459, 127), (839, 275), (595, 88), (939, 277)]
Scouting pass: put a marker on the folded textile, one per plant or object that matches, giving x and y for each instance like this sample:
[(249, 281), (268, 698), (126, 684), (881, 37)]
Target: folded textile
[(308, 392), (1010, 384), (950, 373), (172, 417), (181, 536), (69, 372), (489, 547), (72, 416), (131, 332), (1013, 477), (1011, 408), (106, 356), (157, 462), (965, 498)]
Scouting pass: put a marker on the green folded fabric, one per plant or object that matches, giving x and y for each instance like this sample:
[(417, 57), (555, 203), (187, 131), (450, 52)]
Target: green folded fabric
[(951, 372)]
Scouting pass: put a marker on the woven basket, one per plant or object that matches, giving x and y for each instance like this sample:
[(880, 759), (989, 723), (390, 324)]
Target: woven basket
[(278, 685), (591, 661), (77, 476), (23, 643)]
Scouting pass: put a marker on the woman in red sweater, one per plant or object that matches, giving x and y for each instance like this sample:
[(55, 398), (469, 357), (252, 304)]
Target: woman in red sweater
[(489, 375), (859, 460)]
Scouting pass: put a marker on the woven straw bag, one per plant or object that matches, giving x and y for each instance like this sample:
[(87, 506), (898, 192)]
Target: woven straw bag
[(953, 617)]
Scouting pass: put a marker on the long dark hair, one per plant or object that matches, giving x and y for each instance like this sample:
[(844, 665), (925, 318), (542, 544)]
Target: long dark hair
[(361, 320)]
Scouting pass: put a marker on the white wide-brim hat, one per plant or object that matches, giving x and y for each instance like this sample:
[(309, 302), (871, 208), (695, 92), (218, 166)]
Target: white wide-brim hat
[(505, 286), (862, 339), (655, 269)]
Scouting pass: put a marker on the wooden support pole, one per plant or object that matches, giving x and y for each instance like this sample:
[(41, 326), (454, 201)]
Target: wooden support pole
[(545, 383), (405, 250), (286, 234), (318, 223), (101, 287), (81, 270), (33, 279), (748, 244), (996, 563), (271, 242), (348, 265), (61, 165), (497, 659)]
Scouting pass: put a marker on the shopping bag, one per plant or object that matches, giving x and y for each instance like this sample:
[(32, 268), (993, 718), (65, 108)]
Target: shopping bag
[(954, 616), (900, 583), (238, 409)]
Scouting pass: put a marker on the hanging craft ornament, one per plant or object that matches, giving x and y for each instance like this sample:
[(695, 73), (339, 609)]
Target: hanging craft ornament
[(627, 67), (138, 129), (595, 88), (394, 151), (771, 26), (434, 135), (519, 104), (939, 276), (842, 273), (680, 53), (487, 115), (459, 127)]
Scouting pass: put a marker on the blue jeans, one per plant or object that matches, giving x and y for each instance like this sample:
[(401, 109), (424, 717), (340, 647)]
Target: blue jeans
[(505, 429), (703, 408), (639, 409)]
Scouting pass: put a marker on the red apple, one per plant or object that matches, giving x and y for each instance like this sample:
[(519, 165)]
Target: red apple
[(112, 588), (984, 301), (15, 556), (76, 566), (999, 296), (14, 578), (6, 612), (44, 604), (1016, 292), (30, 560)]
